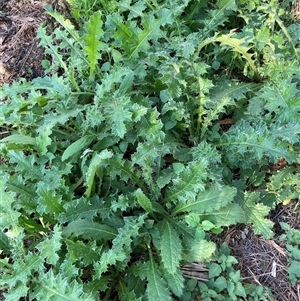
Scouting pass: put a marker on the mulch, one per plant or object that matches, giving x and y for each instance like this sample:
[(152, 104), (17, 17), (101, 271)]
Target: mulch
[(261, 261), (265, 261), (20, 55)]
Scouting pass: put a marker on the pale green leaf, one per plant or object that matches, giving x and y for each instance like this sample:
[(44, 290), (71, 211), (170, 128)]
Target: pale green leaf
[(24, 269), (294, 271), (49, 247), (77, 146), (170, 248), (48, 199), (210, 200), (92, 41), (226, 216), (25, 163), (214, 270), (57, 288), (188, 184), (19, 139), (89, 229), (175, 282), (156, 287), (95, 163), (87, 253), (8, 215), (17, 293), (43, 140), (143, 200), (255, 212), (202, 250)]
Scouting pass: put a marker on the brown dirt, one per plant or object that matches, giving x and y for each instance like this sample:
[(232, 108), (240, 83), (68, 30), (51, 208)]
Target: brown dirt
[(265, 262), (20, 56)]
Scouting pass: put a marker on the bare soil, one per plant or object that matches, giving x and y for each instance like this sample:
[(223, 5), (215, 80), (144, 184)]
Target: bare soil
[(261, 261)]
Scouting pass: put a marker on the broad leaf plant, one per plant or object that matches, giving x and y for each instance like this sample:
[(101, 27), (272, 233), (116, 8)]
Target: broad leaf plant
[(156, 125)]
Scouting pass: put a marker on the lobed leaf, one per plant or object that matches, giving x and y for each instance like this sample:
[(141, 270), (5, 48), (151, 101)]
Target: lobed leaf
[(186, 186), (93, 45), (156, 287), (57, 288), (95, 163), (210, 200), (89, 229), (170, 245)]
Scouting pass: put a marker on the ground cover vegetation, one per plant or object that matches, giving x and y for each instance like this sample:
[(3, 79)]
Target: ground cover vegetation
[(156, 125)]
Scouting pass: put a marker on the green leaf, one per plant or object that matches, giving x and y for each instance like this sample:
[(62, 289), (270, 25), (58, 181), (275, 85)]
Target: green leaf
[(170, 248), (24, 269), (4, 243), (186, 186), (77, 146), (210, 200), (220, 283), (247, 141), (92, 41), (25, 164), (117, 112), (294, 271), (175, 282), (255, 213), (51, 119), (17, 185), (225, 216), (84, 209), (88, 229), (49, 247), (281, 98), (17, 293), (240, 290), (8, 215), (237, 45), (87, 253), (47, 42), (151, 31), (124, 293), (109, 258), (143, 200), (156, 287), (19, 139), (48, 200), (126, 83), (202, 250), (43, 140), (214, 270), (95, 163), (57, 288)]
